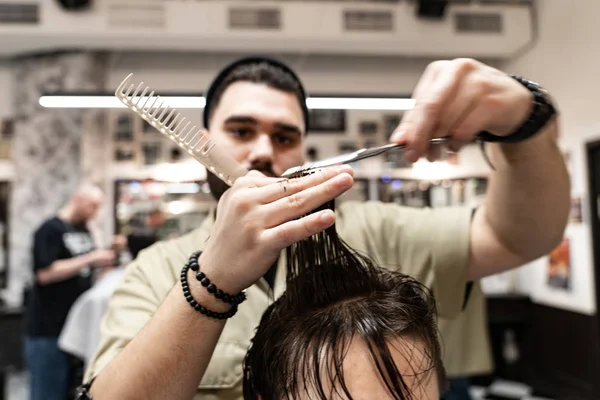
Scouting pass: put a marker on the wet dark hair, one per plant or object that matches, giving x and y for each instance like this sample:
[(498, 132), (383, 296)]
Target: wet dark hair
[(334, 295), (263, 70)]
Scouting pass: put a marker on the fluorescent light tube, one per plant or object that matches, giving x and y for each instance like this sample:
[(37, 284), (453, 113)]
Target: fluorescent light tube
[(359, 103), (181, 102), (113, 102)]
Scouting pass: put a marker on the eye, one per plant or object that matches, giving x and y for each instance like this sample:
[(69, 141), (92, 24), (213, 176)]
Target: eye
[(283, 139), (240, 132)]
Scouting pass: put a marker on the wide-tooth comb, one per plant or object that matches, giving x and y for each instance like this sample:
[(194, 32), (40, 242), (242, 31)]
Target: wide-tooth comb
[(168, 121)]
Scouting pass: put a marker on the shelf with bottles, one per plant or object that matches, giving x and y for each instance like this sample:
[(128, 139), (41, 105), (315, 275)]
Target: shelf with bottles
[(466, 191)]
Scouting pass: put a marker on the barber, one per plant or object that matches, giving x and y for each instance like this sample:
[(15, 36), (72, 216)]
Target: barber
[(155, 346)]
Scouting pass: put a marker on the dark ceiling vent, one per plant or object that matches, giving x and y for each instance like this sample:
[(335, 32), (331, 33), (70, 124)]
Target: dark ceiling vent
[(136, 14), (75, 5), (26, 13), (365, 20), (478, 22), (431, 9), (254, 18)]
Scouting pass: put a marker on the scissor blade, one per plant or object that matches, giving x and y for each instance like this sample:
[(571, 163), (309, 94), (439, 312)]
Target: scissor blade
[(328, 162), (353, 157)]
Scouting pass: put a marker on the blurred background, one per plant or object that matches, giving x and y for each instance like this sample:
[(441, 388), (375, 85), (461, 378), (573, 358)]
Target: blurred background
[(61, 61)]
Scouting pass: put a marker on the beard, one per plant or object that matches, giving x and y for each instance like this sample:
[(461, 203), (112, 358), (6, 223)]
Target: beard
[(218, 187)]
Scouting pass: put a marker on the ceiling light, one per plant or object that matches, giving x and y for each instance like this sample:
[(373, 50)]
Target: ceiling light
[(182, 102), (84, 101), (359, 103)]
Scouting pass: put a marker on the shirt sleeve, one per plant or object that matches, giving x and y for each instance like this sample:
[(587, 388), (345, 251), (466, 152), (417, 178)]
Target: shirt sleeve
[(131, 306), (47, 246), (430, 244)]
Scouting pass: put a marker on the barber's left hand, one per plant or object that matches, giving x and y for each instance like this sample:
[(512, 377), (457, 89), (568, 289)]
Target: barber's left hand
[(459, 99)]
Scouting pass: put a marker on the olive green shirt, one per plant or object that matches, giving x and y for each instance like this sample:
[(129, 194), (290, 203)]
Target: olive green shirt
[(431, 245)]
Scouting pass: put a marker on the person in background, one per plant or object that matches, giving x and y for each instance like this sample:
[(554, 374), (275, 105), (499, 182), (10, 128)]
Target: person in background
[(149, 234), (64, 256), (118, 244)]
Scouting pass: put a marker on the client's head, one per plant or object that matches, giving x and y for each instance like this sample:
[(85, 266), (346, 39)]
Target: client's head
[(345, 329)]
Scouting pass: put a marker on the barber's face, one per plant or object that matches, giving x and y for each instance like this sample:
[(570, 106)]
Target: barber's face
[(261, 127)]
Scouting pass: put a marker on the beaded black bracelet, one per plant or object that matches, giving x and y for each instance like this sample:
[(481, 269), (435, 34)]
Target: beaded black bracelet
[(194, 304), (234, 299)]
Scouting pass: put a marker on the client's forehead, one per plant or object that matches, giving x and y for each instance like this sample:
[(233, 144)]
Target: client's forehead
[(411, 358), (364, 381)]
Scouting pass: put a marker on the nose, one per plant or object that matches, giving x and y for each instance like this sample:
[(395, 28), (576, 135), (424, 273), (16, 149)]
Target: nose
[(262, 150)]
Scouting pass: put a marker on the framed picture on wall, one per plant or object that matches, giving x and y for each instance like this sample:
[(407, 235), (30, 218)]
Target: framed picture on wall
[(327, 121), (151, 152), (7, 128), (390, 123), (124, 154), (367, 128), (347, 147), (559, 267), (7, 131), (146, 127), (149, 129), (124, 128), (576, 216)]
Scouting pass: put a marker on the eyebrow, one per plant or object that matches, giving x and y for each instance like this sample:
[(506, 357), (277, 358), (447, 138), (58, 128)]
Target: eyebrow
[(242, 119)]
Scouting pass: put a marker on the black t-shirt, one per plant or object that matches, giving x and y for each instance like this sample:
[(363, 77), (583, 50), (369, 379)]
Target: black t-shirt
[(138, 241), (49, 304)]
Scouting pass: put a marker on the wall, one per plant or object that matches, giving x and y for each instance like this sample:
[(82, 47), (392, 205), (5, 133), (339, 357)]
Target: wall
[(52, 149), (6, 110), (563, 330), (5, 89), (566, 62), (322, 74)]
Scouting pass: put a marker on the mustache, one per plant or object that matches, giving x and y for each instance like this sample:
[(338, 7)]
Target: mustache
[(265, 168)]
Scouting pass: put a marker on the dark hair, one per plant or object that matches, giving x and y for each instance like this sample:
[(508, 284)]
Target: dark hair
[(267, 71), (334, 295)]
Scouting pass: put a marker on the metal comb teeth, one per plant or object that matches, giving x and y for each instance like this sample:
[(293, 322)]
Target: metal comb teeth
[(167, 120)]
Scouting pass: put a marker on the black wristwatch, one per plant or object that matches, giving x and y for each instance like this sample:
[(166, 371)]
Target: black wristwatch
[(543, 110)]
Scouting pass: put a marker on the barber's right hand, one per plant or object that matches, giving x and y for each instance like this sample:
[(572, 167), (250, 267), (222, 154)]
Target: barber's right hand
[(102, 258), (259, 216)]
